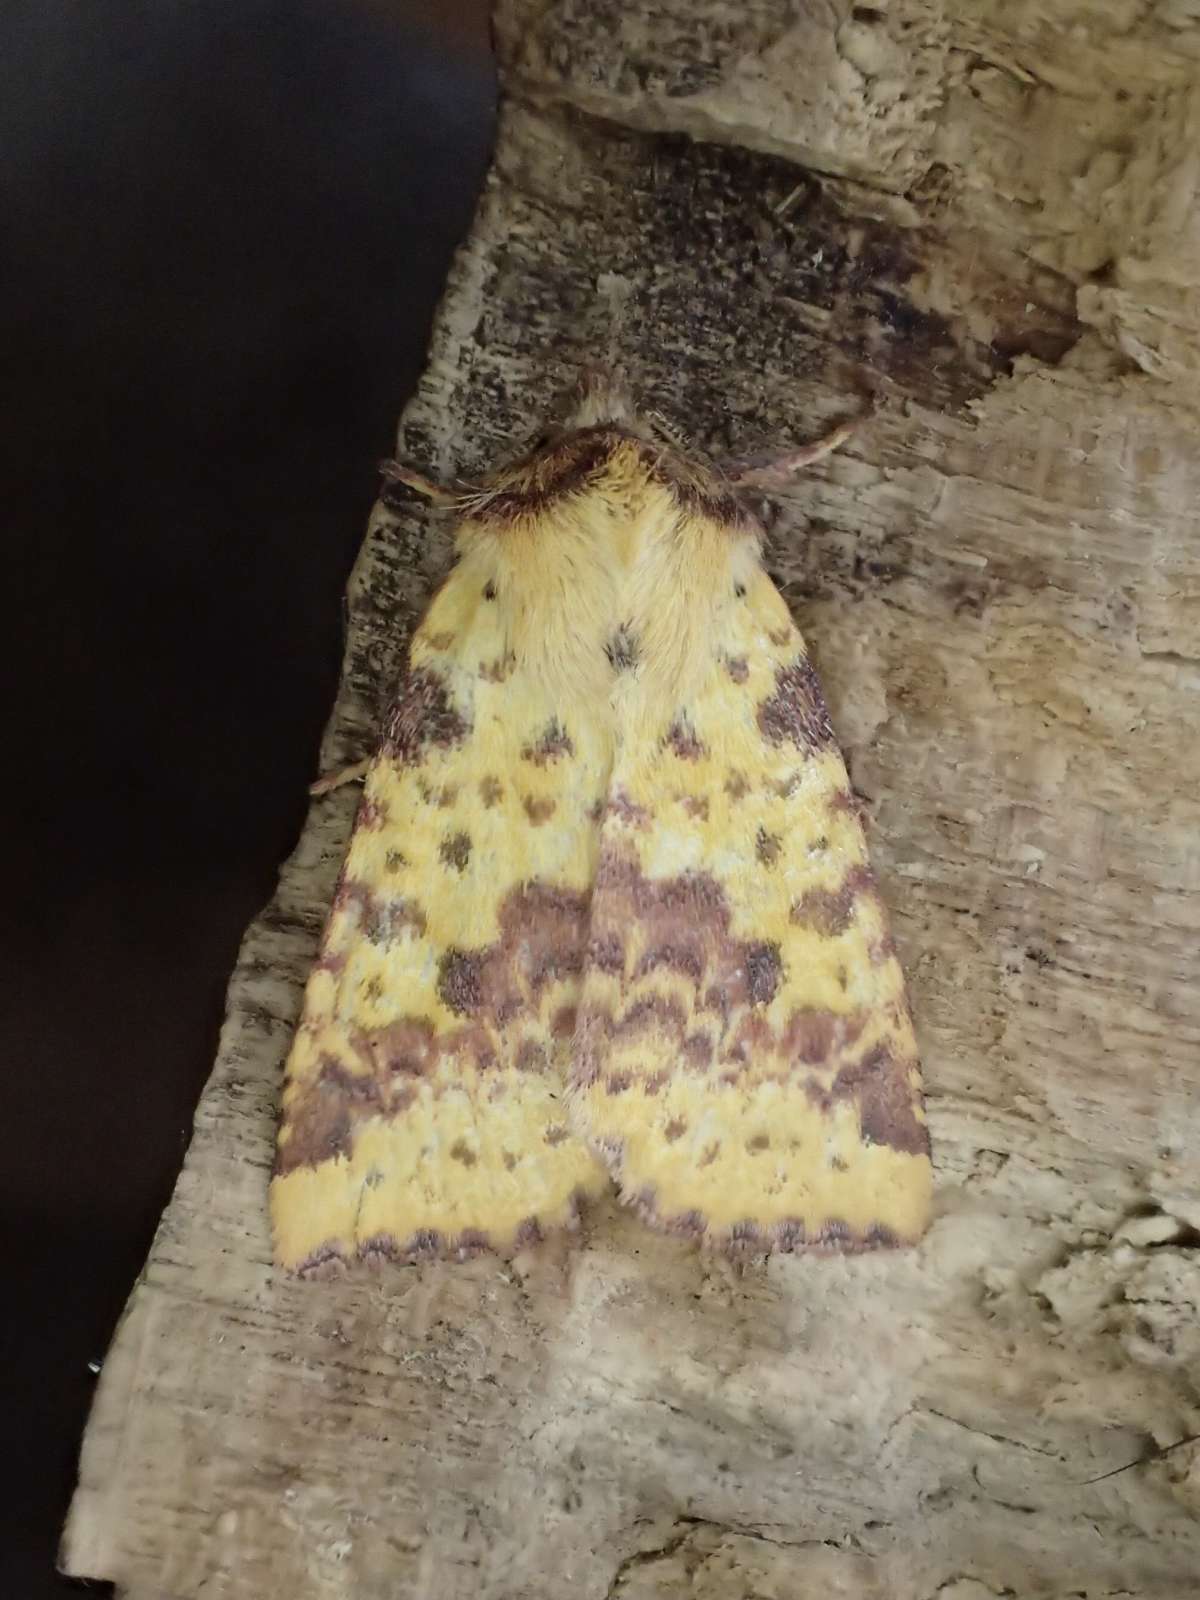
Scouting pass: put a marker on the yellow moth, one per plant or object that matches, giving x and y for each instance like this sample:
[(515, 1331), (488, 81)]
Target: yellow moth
[(607, 912)]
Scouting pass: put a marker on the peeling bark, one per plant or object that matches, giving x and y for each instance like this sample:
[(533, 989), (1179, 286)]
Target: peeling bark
[(987, 215)]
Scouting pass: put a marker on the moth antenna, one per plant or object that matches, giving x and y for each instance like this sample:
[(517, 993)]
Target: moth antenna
[(667, 430), (604, 396), (775, 469)]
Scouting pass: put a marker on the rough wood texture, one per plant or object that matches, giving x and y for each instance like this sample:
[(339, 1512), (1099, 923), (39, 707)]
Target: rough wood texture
[(991, 208)]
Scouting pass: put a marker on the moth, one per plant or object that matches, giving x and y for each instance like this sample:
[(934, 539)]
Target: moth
[(607, 913)]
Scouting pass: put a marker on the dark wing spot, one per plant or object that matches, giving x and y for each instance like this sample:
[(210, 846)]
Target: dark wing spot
[(538, 811), (879, 1234), (491, 790), (619, 805), (497, 671), (489, 590), (691, 1224), (562, 1024), (455, 850), (835, 1231), (471, 1242), (422, 716), (675, 1129), (677, 954), (796, 712), (880, 1084), (607, 954), (621, 650), (321, 1126), (682, 738), (829, 912), (383, 921), (460, 1151), (554, 743), (764, 969), (738, 668), (403, 1050), (425, 1242), (767, 847), (698, 1049), (531, 1057), (812, 1034), (459, 981)]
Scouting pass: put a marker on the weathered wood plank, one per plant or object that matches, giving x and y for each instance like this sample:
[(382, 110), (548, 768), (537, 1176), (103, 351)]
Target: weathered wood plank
[(991, 211)]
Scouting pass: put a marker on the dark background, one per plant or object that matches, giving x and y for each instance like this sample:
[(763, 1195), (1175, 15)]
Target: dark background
[(223, 232)]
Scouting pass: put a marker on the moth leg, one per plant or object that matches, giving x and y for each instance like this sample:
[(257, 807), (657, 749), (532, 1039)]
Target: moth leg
[(355, 773), (395, 472)]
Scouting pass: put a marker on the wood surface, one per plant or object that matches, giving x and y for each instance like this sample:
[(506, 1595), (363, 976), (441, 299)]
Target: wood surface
[(987, 215)]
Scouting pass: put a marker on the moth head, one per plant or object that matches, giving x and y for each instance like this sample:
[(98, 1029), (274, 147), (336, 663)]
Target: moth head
[(603, 396)]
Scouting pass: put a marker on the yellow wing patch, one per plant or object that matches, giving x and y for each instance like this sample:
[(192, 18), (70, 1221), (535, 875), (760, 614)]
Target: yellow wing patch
[(423, 1112), (744, 1058)]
